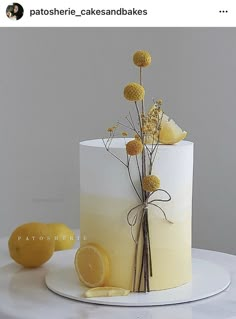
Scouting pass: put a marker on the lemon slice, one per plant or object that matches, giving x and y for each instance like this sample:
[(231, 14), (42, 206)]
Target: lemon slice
[(171, 133), (106, 292), (92, 265)]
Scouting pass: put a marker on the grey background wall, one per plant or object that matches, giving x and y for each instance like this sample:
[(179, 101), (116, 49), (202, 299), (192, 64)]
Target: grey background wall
[(60, 86)]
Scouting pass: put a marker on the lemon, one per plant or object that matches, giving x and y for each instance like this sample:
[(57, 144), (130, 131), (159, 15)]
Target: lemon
[(106, 292), (92, 265), (63, 235), (171, 133), (31, 244)]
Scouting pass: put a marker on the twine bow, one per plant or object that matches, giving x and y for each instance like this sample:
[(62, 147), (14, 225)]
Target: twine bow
[(143, 207)]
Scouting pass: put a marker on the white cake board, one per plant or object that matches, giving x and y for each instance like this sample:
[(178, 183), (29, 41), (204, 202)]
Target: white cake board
[(208, 280)]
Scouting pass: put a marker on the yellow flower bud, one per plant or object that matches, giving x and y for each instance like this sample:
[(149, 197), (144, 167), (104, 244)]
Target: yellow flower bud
[(134, 92), (134, 147), (142, 58), (150, 183)]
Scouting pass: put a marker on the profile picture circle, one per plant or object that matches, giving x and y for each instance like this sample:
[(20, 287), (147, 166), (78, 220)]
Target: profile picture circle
[(14, 11)]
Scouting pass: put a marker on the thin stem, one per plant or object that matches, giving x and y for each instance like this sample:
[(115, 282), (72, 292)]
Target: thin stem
[(140, 75), (146, 260), (117, 157), (108, 150), (139, 173), (144, 169), (143, 153), (139, 118), (149, 246), (141, 270), (148, 151), (131, 180), (131, 119), (111, 138), (141, 83), (150, 165), (136, 251), (131, 124), (126, 126)]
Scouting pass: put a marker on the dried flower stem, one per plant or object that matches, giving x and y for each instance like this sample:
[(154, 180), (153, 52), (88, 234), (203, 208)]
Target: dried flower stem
[(149, 246), (140, 176), (126, 126), (108, 150), (131, 180), (146, 252), (142, 236), (131, 119), (139, 120), (136, 251)]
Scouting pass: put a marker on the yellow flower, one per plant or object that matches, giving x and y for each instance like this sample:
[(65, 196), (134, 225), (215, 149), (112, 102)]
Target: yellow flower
[(134, 147), (159, 102), (142, 58), (134, 92), (124, 134), (110, 129), (150, 183)]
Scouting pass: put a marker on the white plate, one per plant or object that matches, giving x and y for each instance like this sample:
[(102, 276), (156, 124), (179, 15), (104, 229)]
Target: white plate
[(208, 279)]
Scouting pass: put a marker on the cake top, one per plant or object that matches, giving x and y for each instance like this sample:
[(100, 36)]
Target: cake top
[(120, 143)]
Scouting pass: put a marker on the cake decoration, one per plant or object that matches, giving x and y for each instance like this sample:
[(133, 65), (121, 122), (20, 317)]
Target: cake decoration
[(149, 132), (92, 265), (137, 211), (106, 292)]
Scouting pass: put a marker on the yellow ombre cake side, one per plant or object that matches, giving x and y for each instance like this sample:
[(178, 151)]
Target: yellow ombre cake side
[(106, 198)]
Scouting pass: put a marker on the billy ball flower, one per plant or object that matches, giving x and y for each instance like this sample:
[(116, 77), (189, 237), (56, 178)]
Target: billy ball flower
[(142, 58), (134, 92), (150, 183), (134, 147)]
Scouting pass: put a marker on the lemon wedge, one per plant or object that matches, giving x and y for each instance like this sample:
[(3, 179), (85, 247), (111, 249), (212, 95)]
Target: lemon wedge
[(106, 292), (170, 132), (92, 265)]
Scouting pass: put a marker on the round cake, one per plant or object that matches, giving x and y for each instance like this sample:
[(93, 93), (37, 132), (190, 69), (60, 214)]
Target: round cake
[(109, 205)]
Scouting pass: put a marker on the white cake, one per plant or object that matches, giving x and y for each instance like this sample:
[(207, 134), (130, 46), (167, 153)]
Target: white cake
[(106, 196)]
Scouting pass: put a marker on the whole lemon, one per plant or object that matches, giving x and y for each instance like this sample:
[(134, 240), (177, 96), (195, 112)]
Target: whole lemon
[(63, 235), (31, 244)]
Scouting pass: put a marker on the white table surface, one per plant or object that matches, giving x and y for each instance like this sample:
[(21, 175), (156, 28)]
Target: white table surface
[(23, 294)]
